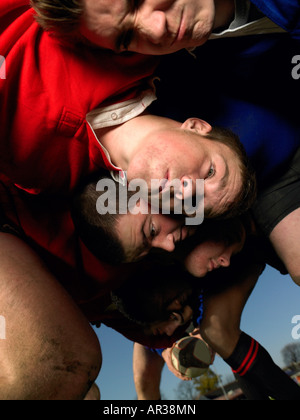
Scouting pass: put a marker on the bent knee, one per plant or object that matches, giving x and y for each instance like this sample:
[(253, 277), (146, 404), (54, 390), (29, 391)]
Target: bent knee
[(78, 373), (293, 268), (54, 375), (296, 278)]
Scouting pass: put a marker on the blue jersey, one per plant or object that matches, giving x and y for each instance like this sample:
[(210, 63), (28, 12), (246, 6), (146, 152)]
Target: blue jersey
[(244, 84), (285, 13)]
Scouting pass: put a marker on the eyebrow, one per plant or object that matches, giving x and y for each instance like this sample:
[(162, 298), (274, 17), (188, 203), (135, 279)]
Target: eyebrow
[(128, 30), (121, 38), (182, 321), (224, 180), (209, 211), (144, 247)]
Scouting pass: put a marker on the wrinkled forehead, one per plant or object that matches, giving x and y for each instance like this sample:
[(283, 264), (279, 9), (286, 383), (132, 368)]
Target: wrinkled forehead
[(129, 230), (177, 299), (106, 8), (170, 299), (103, 20)]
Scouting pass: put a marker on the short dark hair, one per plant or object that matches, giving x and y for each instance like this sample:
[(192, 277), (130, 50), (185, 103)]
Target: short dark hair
[(62, 16), (227, 231), (97, 232), (145, 297), (247, 196)]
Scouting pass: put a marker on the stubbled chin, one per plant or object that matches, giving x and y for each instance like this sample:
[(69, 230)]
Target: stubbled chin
[(196, 273)]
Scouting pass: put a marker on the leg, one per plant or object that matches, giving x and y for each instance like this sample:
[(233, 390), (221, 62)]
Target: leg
[(147, 368), (252, 391), (255, 366), (50, 351), (220, 327), (285, 239), (242, 353)]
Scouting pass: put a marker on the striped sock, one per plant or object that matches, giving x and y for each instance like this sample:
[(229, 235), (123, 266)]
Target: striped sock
[(255, 366), (250, 358)]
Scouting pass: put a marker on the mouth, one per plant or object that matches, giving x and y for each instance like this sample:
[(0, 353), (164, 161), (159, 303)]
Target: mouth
[(180, 33), (166, 193), (184, 233), (164, 184), (157, 192), (158, 331), (182, 29), (211, 266)]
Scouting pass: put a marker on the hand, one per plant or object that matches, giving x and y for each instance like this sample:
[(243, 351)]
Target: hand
[(167, 356), (196, 333)]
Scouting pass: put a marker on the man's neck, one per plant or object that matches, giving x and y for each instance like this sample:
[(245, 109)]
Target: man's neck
[(225, 11)]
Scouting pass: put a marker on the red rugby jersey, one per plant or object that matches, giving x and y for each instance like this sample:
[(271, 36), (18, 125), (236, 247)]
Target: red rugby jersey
[(46, 143)]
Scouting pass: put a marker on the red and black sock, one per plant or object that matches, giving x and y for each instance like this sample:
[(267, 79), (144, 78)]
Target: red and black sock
[(261, 377)]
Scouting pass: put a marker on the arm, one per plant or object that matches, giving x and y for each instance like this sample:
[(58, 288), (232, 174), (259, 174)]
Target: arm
[(220, 327), (147, 368)]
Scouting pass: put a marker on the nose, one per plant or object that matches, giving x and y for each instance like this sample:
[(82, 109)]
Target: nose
[(165, 242), (168, 329), (153, 26), (185, 189)]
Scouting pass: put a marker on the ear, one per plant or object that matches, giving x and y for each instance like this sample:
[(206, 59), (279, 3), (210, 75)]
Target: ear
[(199, 126)]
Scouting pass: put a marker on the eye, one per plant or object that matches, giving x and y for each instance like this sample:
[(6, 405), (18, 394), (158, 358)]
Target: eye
[(177, 316), (136, 4), (153, 232), (126, 39), (211, 172), (173, 317)]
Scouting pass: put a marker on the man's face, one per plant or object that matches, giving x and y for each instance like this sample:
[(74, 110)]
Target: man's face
[(179, 316), (139, 233), (148, 26), (181, 153), (209, 256)]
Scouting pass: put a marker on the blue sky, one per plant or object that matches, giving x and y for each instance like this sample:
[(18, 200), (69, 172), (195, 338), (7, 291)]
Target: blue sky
[(267, 317)]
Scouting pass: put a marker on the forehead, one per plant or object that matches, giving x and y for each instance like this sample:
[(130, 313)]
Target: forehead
[(107, 7), (228, 187), (104, 20), (171, 300), (207, 247), (130, 231)]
